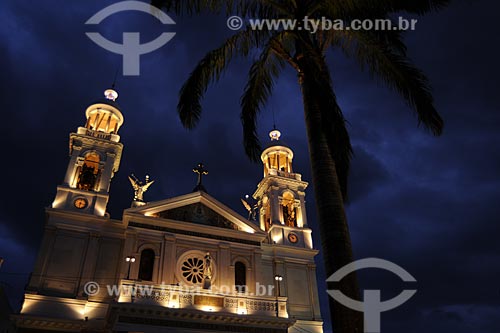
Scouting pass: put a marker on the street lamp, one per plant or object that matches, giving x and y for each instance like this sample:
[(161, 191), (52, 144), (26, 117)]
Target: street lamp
[(130, 260), (278, 279)]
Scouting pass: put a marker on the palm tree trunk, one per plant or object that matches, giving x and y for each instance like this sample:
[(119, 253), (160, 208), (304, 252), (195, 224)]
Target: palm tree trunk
[(334, 232)]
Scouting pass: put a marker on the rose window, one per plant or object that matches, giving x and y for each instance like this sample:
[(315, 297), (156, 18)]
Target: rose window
[(192, 269)]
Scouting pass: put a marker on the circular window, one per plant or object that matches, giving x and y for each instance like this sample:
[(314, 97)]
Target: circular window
[(192, 270), (191, 267)]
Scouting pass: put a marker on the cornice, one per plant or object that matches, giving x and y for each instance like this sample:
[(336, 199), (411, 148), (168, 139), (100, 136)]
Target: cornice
[(284, 250), (272, 180), (45, 323), (188, 318)]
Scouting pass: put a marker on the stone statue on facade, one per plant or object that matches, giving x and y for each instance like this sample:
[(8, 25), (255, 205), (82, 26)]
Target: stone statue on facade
[(207, 271), (139, 186), (252, 209)]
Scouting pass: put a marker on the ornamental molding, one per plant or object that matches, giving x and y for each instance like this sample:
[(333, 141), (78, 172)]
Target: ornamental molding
[(195, 319), (40, 323), (90, 141), (279, 183)]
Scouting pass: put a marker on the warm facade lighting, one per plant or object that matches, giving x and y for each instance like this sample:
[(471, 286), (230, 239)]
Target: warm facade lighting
[(130, 260)]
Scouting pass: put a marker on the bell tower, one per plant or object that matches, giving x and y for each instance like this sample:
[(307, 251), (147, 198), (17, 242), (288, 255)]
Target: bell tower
[(95, 152), (280, 196)]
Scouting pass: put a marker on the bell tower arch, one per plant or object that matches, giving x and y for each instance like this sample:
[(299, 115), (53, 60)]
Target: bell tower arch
[(95, 152)]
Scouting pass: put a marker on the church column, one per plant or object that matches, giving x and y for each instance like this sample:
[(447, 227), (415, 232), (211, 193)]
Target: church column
[(302, 216), (224, 261), (262, 217), (169, 259), (250, 280), (161, 278), (90, 261), (44, 254), (156, 269), (128, 248), (134, 251), (70, 172), (313, 292), (231, 273), (280, 269), (275, 206), (107, 172), (255, 275)]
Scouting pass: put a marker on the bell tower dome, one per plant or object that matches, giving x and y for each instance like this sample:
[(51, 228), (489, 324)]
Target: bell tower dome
[(277, 157), (95, 152), (280, 196)]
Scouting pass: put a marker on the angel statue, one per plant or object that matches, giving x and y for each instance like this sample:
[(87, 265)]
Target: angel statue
[(252, 210), (140, 187)]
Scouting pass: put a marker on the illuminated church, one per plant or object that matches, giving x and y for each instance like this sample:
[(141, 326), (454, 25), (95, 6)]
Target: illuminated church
[(183, 264)]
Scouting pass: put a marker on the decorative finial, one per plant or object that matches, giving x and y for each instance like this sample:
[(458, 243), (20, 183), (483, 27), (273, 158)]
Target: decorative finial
[(140, 187), (274, 135), (201, 171), (111, 94)]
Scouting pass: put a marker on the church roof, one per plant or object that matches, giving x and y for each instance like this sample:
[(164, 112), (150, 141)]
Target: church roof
[(197, 210), (275, 136), (275, 143), (108, 102)]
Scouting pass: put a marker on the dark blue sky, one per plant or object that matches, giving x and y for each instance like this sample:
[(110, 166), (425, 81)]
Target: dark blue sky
[(429, 204)]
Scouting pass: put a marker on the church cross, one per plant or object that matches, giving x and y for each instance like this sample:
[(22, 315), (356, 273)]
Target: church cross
[(201, 171)]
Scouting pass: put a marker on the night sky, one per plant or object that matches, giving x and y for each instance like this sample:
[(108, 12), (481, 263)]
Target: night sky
[(429, 204)]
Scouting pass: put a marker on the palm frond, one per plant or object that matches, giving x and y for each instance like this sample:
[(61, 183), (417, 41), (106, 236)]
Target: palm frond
[(397, 71), (191, 7), (264, 9), (361, 9), (257, 9), (209, 70), (257, 91), (419, 7)]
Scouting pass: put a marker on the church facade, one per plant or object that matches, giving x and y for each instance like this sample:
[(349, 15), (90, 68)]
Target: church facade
[(183, 264)]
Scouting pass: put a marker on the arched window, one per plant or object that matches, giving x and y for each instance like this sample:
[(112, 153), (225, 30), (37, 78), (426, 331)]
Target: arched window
[(88, 173), (147, 264), (240, 277), (289, 210)]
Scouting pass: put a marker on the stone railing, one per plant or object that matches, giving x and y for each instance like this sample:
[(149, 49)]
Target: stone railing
[(173, 296), (98, 134), (285, 174)]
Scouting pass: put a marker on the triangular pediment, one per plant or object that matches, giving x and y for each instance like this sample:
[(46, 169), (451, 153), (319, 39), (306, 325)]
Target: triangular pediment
[(197, 208), (200, 214)]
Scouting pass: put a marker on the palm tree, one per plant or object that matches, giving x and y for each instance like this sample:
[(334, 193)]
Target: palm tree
[(382, 53)]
